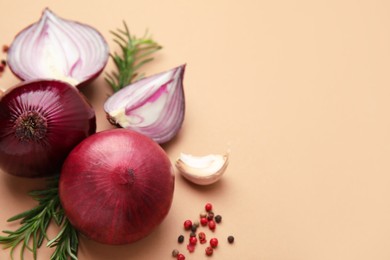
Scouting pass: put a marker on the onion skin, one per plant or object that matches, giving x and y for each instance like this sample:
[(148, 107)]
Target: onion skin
[(57, 48), (63, 118), (116, 186)]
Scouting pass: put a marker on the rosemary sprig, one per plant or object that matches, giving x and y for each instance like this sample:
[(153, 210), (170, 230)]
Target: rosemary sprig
[(135, 52), (34, 223)]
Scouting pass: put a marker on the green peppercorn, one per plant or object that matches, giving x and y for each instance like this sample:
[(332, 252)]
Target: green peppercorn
[(194, 228), (180, 239)]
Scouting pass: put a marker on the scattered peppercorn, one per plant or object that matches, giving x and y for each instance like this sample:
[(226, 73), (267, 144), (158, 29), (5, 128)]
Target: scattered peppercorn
[(202, 237), (218, 218), (180, 239), (230, 239), (203, 221), (203, 214), (208, 207), (187, 224), (209, 250), (192, 234), (196, 223), (5, 48), (212, 225), (194, 228), (210, 216), (214, 242), (175, 252), (180, 257), (191, 248), (193, 240)]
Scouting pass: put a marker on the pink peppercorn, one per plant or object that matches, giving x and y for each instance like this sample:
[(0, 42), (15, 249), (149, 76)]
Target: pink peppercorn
[(212, 225), (214, 242), (180, 257), (193, 240), (209, 250), (187, 224), (208, 207), (204, 221)]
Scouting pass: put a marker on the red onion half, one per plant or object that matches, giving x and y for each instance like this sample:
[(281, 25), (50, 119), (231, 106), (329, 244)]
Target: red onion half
[(153, 106), (40, 123), (55, 48), (116, 186)]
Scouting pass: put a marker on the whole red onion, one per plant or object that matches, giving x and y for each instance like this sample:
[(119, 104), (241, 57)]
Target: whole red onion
[(116, 186), (40, 123)]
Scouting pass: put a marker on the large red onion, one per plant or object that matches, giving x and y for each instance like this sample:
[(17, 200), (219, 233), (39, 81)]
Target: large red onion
[(153, 106), (40, 123), (116, 186), (56, 48)]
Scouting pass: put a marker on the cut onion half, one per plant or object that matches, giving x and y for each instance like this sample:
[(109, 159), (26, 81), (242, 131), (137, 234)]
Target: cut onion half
[(153, 106), (56, 48)]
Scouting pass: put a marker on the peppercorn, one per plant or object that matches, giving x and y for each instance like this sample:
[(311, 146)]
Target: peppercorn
[(208, 207), (175, 252), (187, 224), (209, 250), (196, 224), (214, 242), (192, 234), (1, 68), (202, 237), (191, 248), (194, 228), (180, 257), (230, 239), (210, 216), (218, 218), (3, 62), (5, 48), (180, 239), (203, 214), (193, 240), (212, 225), (203, 221)]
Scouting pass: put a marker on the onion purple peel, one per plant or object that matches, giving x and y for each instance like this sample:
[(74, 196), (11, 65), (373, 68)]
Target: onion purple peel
[(153, 106), (57, 48), (116, 186), (40, 123)]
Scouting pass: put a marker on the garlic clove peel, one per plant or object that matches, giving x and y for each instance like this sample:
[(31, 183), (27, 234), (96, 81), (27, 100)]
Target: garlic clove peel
[(153, 106), (202, 170), (60, 49)]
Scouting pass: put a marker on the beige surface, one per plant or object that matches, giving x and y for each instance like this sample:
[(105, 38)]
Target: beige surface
[(298, 90)]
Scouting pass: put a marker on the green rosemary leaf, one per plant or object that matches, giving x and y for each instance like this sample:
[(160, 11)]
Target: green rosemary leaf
[(135, 53), (35, 222)]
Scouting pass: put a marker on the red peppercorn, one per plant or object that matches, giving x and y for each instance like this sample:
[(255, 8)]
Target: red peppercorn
[(209, 250), (180, 257), (212, 225), (204, 221), (214, 242), (193, 240), (208, 207), (190, 248), (187, 224)]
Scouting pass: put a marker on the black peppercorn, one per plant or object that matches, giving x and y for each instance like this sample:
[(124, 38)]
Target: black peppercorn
[(180, 239), (218, 218), (230, 239), (194, 228), (210, 215)]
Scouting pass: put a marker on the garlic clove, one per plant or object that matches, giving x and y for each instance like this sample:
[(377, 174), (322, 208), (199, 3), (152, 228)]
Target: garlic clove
[(56, 48), (202, 170), (153, 106)]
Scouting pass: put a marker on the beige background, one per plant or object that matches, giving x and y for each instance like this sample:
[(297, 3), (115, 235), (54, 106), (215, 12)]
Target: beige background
[(298, 90)]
